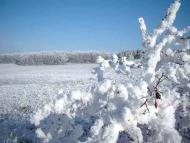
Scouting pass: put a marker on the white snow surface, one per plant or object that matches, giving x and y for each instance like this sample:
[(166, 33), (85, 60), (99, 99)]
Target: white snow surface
[(33, 86), (26, 89)]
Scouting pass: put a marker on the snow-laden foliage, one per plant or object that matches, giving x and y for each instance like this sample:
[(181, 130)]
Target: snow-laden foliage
[(133, 101), (60, 58)]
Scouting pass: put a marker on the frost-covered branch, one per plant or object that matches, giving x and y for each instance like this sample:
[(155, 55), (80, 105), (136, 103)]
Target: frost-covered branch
[(144, 34), (184, 31), (166, 22), (184, 40), (149, 40), (155, 46)]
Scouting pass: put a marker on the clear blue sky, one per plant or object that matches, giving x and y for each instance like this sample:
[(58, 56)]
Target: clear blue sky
[(80, 25)]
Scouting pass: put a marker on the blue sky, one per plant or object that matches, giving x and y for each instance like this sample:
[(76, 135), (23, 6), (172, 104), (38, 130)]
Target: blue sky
[(80, 25)]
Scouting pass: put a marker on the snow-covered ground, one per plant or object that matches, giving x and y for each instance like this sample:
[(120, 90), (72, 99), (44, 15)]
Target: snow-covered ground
[(32, 86), (25, 89)]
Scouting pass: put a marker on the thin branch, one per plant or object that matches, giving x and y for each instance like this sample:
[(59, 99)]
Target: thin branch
[(166, 22), (144, 34), (145, 104)]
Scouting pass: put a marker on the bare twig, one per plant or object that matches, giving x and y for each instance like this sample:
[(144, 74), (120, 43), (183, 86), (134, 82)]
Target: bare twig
[(145, 104)]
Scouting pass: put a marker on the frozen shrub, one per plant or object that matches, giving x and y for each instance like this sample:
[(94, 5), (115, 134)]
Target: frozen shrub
[(130, 97)]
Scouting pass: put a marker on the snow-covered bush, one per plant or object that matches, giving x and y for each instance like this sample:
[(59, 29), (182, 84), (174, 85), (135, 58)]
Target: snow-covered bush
[(133, 101)]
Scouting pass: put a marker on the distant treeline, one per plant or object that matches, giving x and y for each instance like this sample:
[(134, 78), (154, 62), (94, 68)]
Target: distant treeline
[(131, 55), (59, 58)]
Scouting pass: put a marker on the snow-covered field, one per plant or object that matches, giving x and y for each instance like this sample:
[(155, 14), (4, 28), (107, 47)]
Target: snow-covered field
[(32, 86), (25, 89)]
